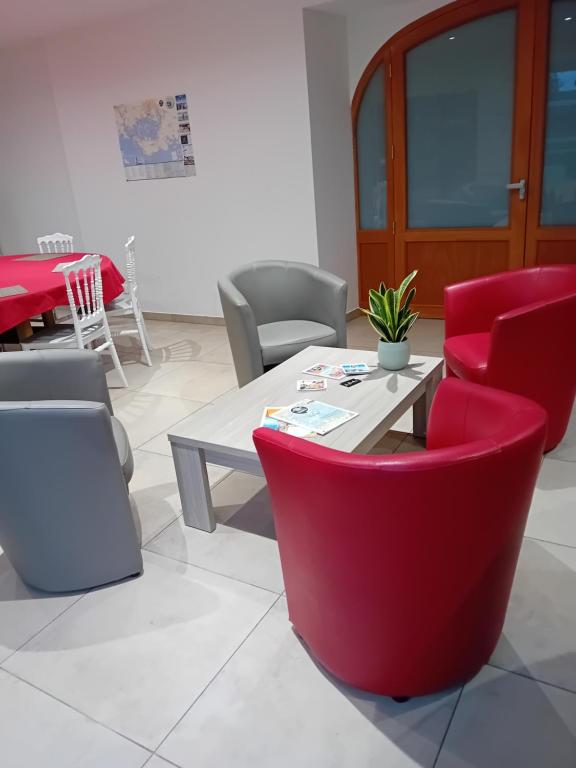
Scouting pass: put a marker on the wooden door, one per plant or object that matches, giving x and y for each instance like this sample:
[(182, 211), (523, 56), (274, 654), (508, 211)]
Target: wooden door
[(461, 99), (551, 223)]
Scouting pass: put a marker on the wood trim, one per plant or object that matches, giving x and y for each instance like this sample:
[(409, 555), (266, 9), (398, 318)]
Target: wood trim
[(539, 101), (353, 314)]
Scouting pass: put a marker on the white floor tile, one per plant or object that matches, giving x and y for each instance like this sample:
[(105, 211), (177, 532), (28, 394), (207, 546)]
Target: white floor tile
[(145, 415), (566, 451), (222, 354), (553, 512), (539, 637), (158, 762), (507, 721), (134, 656), (160, 443), (244, 497), (273, 706), (24, 611), (230, 551), (155, 491), (198, 381), (37, 730)]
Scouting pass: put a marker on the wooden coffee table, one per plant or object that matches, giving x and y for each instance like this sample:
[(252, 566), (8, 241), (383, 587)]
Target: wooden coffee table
[(221, 433)]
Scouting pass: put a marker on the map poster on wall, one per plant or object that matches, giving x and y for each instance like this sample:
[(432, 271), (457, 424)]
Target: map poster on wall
[(155, 138)]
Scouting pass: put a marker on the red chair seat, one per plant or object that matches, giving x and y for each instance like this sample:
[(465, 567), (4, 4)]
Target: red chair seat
[(467, 356)]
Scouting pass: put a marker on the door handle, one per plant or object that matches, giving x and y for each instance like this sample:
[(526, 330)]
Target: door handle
[(520, 186)]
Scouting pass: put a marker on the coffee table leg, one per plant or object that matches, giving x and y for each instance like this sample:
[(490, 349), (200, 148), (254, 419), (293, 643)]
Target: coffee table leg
[(422, 406), (194, 487)]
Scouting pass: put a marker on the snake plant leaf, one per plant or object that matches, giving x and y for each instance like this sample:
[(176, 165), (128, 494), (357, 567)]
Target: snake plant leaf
[(379, 327), (402, 289), (376, 301), (406, 325), (405, 311), (390, 310), (382, 288)]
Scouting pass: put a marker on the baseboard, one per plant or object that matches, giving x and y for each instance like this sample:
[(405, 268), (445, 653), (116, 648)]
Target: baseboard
[(168, 317), (172, 318)]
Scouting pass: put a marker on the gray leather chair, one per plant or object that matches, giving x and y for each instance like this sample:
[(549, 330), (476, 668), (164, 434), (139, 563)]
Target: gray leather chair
[(274, 309), (62, 375), (66, 521)]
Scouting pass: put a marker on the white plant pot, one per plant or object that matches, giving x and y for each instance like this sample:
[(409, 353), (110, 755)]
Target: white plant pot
[(393, 357)]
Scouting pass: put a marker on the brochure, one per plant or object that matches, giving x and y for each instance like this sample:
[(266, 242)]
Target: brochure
[(270, 422), (355, 369), (313, 416), (311, 385), (327, 371)]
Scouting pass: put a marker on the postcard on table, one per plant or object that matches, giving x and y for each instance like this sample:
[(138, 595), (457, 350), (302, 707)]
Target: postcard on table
[(327, 371), (311, 385), (12, 290), (314, 416)]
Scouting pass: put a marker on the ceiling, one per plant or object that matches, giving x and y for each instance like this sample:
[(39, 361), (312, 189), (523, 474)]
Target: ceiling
[(28, 19)]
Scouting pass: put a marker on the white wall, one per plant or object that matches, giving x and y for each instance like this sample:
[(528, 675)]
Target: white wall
[(35, 192), (242, 66), (373, 24), (331, 134)]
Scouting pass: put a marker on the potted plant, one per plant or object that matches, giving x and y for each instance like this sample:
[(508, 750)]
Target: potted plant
[(392, 319)]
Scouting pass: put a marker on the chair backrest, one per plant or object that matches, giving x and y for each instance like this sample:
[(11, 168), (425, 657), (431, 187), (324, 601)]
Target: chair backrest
[(56, 243), (530, 355), (398, 569), (85, 294), (278, 290), (131, 280)]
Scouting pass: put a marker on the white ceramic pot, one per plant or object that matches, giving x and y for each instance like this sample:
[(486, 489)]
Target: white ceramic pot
[(393, 357)]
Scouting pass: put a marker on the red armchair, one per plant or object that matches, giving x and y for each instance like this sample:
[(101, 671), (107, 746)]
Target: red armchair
[(515, 331), (398, 568)]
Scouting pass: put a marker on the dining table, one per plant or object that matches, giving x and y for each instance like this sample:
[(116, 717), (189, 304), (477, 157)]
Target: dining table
[(30, 287)]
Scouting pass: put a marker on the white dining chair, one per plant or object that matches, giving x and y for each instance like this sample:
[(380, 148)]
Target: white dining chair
[(128, 303), (90, 324), (56, 243)]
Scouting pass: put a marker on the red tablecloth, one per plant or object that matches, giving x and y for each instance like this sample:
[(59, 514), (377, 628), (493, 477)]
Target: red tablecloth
[(46, 289)]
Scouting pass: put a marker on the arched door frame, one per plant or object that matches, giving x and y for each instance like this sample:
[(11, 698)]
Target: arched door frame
[(383, 251)]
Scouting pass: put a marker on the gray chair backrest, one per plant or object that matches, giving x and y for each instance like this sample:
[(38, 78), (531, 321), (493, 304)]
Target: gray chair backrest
[(65, 518), (280, 290), (53, 375)]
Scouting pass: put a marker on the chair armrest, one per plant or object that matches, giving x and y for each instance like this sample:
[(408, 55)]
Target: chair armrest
[(242, 333), (328, 301), (472, 306), (53, 375)]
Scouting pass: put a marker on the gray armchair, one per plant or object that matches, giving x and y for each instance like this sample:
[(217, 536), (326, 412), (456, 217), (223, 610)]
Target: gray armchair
[(274, 309), (66, 521)]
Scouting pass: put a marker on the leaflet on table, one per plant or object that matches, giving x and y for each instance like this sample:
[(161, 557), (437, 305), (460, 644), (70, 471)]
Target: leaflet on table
[(269, 422), (327, 371), (356, 369), (313, 416)]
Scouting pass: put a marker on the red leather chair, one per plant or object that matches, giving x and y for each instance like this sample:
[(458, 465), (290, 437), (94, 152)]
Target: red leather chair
[(515, 331), (398, 568)]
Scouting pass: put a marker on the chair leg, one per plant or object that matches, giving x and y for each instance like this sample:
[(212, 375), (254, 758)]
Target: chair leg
[(142, 332), (114, 353)]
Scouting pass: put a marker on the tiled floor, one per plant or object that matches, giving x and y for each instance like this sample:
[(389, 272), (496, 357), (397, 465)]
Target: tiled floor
[(195, 664)]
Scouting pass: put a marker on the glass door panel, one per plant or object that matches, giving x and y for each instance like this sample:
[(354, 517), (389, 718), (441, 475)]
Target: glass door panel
[(371, 151), (459, 110), (559, 178)]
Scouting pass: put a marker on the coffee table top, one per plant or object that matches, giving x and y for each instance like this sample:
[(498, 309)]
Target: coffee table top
[(226, 425)]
